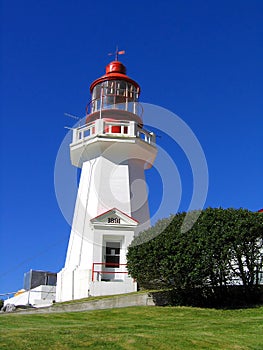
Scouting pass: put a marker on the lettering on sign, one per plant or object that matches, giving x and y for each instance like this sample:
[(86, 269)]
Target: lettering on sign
[(114, 220)]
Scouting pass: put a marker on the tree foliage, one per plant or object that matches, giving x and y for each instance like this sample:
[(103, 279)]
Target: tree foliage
[(222, 248)]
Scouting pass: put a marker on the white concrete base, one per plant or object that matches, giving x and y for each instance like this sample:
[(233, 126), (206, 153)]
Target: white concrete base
[(111, 288), (73, 284), (77, 283)]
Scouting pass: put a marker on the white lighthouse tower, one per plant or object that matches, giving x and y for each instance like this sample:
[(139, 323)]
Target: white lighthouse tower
[(113, 151)]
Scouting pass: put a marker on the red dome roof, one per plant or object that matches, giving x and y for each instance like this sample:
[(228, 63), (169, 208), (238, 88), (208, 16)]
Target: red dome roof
[(115, 70)]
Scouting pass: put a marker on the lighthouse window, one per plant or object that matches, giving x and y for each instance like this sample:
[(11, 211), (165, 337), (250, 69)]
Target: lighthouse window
[(87, 133), (109, 85), (114, 94), (96, 92), (109, 100), (112, 258), (132, 93), (121, 88)]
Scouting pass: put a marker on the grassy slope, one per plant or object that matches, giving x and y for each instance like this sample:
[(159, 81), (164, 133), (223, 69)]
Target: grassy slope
[(135, 328)]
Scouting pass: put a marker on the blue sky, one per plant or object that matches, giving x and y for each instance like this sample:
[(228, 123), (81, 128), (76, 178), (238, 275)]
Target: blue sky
[(199, 59)]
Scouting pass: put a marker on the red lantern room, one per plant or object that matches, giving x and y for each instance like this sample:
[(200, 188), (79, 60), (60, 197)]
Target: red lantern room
[(114, 96)]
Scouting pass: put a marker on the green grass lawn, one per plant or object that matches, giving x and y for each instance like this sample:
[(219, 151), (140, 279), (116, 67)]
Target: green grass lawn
[(135, 328)]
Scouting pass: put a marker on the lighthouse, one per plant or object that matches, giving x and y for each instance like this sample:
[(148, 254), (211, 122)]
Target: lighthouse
[(113, 150)]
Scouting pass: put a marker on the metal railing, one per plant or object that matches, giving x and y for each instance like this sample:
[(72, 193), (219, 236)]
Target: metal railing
[(101, 272)]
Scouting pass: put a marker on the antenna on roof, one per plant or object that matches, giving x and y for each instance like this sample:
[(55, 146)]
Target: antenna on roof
[(68, 127), (116, 53), (72, 116)]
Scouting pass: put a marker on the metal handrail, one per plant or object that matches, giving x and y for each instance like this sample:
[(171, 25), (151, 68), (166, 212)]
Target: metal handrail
[(106, 272)]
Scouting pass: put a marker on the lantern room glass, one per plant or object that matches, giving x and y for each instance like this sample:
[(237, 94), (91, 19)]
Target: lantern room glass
[(114, 94)]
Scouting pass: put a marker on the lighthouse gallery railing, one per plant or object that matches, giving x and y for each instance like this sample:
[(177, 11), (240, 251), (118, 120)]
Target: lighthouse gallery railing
[(101, 127)]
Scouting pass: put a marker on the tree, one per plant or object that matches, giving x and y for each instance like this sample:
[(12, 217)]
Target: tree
[(222, 248)]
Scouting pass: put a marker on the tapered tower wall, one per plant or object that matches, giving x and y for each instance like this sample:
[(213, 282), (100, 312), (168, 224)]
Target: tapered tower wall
[(113, 150)]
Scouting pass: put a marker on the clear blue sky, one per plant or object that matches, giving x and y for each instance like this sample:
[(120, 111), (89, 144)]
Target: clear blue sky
[(200, 59)]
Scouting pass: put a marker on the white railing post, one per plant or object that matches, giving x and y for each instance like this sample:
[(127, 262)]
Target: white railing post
[(153, 137), (132, 127), (74, 135), (99, 123)]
